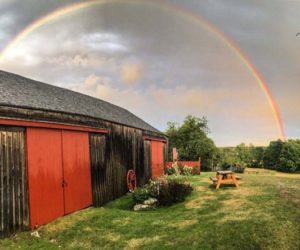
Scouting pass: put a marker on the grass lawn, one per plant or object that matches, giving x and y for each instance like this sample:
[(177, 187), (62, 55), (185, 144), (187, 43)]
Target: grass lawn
[(264, 213)]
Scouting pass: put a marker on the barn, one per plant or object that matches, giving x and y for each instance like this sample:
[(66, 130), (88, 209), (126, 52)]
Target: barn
[(62, 151)]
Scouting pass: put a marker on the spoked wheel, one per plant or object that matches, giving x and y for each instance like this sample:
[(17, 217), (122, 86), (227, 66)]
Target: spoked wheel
[(131, 180)]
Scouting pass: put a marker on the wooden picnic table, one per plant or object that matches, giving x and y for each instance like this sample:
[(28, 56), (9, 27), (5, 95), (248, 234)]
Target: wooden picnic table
[(225, 177)]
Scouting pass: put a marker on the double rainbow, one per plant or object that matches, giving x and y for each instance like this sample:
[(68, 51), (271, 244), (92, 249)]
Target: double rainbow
[(230, 44)]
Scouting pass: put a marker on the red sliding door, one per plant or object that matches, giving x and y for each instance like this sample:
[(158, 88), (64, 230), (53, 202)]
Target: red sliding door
[(58, 173), (77, 175), (157, 158), (45, 175)]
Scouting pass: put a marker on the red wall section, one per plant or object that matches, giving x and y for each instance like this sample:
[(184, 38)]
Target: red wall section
[(157, 158), (44, 175), (76, 168)]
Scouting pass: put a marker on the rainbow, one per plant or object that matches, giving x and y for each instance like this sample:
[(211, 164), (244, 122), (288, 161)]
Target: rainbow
[(167, 7)]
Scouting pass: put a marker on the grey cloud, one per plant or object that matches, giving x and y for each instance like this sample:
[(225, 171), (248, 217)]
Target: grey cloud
[(174, 52), (23, 12)]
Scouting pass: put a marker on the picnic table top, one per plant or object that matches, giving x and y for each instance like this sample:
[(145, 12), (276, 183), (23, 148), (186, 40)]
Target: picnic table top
[(225, 172)]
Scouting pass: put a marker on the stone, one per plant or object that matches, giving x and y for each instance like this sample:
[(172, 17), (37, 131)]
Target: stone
[(150, 201), (142, 207), (35, 234)]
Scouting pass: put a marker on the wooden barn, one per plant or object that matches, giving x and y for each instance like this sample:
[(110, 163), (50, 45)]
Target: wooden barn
[(61, 151)]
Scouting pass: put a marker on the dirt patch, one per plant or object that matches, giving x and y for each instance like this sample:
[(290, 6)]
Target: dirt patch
[(200, 188), (203, 189), (158, 223), (80, 245), (88, 229), (136, 243), (243, 192), (66, 222), (121, 222), (184, 223), (199, 202), (286, 175), (259, 171), (237, 216), (112, 237), (233, 204), (289, 196)]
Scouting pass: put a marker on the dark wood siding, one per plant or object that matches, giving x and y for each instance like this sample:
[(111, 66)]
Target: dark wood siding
[(98, 168), (112, 155), (13, 181)]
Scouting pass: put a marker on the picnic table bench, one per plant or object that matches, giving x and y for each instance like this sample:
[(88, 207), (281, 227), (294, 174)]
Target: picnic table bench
[(225, 177)]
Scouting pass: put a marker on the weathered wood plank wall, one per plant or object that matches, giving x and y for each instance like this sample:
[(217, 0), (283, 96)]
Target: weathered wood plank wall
[(13, 181), (112, 155)]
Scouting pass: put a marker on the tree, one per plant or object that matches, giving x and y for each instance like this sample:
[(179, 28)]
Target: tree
[(257, 155), (272, 154), (191, 140), (172, 133), (243, 154), (289, 159)]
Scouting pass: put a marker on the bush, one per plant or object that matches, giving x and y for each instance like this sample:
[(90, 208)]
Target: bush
[(140, 195), (167, 192), (186, 170), (172, 192), (173, 170), (170, 170), (182, 170)]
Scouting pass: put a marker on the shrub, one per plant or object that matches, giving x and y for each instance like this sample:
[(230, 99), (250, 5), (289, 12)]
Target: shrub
[(187, 170), (172, 192), (173, 170), (153, 187), (165, 191), (140, 195)]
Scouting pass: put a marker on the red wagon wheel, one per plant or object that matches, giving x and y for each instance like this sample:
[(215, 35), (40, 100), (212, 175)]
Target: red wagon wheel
[(131, 180)]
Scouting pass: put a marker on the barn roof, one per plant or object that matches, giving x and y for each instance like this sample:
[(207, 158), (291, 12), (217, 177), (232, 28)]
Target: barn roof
[(18, 91)]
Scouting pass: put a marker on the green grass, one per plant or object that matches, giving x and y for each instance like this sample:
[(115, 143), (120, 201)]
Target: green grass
[(264, 213)]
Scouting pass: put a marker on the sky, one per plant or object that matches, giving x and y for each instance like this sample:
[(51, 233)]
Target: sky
[(158, 60)]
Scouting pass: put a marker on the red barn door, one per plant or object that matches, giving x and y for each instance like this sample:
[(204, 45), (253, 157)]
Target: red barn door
[(157, 158), (45, 175), (58, 173), (76, 166)]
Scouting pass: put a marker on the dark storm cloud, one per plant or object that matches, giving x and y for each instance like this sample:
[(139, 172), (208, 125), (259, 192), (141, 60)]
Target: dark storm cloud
[(17, 14)]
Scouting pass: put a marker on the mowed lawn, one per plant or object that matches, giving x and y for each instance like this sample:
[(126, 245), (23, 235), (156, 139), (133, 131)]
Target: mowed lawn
[(264, 213)]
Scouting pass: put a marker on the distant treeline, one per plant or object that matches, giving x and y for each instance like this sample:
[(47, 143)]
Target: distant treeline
[(192, 141), (278, 155)]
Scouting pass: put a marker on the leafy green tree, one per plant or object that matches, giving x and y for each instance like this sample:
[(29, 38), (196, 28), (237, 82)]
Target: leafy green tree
[(229, 157), (257, 155), (243, 154), (172, 133), (289, 159), (192, 141), (272, 154)]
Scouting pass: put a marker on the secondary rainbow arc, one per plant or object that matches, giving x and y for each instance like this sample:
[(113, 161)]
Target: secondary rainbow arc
[(167, 7)]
